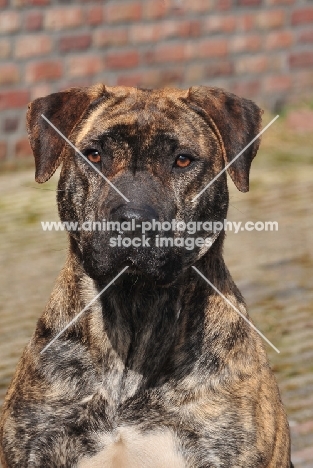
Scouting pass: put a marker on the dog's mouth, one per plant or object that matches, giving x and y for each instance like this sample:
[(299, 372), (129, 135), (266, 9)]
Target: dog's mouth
[(162, 266)]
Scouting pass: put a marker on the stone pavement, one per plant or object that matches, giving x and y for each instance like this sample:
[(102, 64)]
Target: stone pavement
[(272, 269)]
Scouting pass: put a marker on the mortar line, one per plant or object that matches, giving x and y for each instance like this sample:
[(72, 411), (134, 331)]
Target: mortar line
[(82, 311), (236, 157), (237, 310), (84, 157)]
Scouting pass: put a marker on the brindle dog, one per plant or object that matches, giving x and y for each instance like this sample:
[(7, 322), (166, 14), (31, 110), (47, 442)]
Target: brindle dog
[(159, 372)]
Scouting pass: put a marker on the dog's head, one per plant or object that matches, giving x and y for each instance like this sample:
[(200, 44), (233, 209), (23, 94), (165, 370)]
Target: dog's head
[(157, 149)]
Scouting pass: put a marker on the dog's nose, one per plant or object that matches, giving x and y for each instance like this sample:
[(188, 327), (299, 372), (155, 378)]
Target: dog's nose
[(129, 212), (140, 215)]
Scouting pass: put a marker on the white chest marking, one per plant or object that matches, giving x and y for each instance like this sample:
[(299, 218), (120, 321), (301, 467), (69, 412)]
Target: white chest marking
[(129, 448)]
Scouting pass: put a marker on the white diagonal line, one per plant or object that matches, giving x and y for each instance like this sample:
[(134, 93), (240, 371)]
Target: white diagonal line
[(83, 156), (235, 308), (82, 311), (236, 157)]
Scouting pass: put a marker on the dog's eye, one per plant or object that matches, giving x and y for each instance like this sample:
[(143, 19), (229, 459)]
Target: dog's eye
[(93, 156), (183, 160)]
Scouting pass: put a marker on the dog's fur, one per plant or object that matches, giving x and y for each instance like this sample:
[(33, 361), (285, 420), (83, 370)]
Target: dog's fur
[(160, 372)]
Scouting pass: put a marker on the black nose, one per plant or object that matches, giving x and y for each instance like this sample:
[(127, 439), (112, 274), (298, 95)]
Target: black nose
[(129, 212), (139, 214)]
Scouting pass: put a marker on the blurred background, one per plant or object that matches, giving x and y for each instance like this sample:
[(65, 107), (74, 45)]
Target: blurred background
[(259, 49)]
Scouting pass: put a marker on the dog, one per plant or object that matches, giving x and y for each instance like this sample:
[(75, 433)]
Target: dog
[(160, 371)]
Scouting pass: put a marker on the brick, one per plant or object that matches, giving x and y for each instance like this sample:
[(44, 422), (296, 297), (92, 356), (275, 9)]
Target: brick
[(110, 37), (279, 40), (85, 65), (10, 124), (172, 77), (40, 90), (276, 62), (245, 43), (78, 82), (177, 9), (210, 48), (270, 19), (246, 22), (167, 53), (129, 80), (117, 60), (5, 48), (219, 24), (39, 2), (191, 28), (63, 18), (115, 13), (3, 150), (143, 33), (277, 83), (22, 148), (280, 2), (162, 78), (199, 6), (303, 79), (304, 36), (301, 59), (251, 64), (246, 88), (75, 42), (33, 21), (147, 78), (30, 3), (9, 22), (44, 70), (195, 73), (150, 78), (182, 28), (223, 5), (155, 10), (302, 16), (249, 2), (216, 69), (13, 99), (9, 74), (95, 15), (32, 46)]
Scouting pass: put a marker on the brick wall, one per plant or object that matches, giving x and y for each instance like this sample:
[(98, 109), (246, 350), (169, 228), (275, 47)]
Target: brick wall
[(262, 49)]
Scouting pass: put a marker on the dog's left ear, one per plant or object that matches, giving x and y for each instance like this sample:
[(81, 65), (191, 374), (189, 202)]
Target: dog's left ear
[(64, 110), (235, 121)]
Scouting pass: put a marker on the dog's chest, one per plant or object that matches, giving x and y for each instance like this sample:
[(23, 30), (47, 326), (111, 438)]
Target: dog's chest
[(127, 447)]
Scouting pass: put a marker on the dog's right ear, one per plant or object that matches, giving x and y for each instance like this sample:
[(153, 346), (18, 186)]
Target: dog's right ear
[(236, 122), (64, 110)]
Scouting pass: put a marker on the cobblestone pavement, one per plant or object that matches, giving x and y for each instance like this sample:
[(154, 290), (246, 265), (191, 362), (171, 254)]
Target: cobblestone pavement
[(272, 269)]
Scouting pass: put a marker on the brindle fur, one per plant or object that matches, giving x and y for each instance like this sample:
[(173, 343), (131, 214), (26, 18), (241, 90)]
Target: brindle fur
[(160, 371)]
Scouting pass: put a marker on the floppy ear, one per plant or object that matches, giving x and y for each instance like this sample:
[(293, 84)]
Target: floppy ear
[(64, 109), (236, 121)]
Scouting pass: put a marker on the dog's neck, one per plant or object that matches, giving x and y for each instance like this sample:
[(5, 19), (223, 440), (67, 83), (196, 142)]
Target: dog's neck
[(141, 318), (141, 334)]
